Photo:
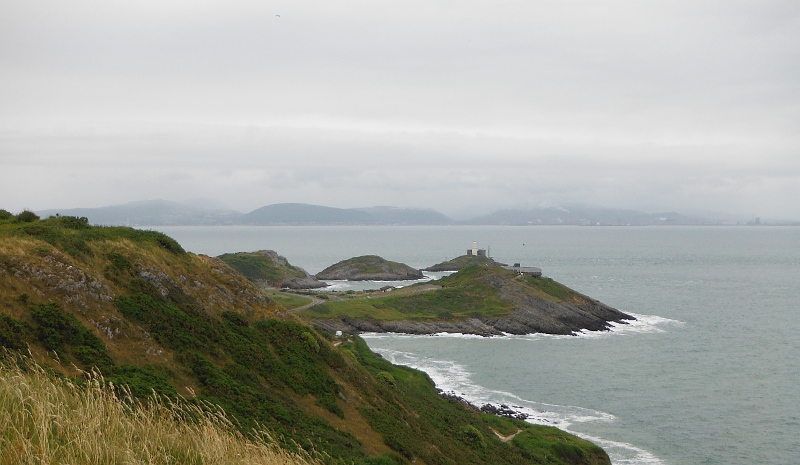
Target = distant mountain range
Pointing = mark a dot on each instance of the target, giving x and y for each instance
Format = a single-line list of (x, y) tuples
[(165, 213), (305, 214), (150, 213)]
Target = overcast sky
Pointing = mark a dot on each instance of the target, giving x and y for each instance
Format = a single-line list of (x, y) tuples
[(454, 105)]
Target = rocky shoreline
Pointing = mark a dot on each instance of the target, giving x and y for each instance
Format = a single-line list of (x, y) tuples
[(501, 410), (532, 315)]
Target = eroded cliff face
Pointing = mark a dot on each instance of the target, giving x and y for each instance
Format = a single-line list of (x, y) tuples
[(88, 285)]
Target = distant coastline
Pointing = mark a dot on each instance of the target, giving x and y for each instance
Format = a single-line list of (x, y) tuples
[(166, 213)]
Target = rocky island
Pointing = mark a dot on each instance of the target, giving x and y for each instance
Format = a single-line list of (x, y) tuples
[(487, 300), (369, 268)]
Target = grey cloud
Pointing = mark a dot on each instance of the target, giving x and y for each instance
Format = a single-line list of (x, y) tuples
[(411, 104)]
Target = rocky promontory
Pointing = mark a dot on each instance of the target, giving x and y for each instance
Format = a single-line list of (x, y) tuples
[(481, 300), (267, 268), (369, 268)]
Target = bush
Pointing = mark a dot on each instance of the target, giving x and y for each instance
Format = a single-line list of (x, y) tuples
[(60, 331), (470, 435), (170, 244), (386, 377), (310, 341), (73, 222), (27, 216), (5, 214), (119, 265), (143, 381), (12, 332)]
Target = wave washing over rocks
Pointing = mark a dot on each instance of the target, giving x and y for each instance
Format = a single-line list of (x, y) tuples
[(454, 381)]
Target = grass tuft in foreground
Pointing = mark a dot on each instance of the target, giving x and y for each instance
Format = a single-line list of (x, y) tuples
[(44, 419)]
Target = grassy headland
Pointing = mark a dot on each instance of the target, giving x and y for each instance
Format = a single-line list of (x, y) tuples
[(479, 299), (167, 324)]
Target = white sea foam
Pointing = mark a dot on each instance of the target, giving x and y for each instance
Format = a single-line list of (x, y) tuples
[(344, 285), (419, 336), (454, 378), (642, 324)]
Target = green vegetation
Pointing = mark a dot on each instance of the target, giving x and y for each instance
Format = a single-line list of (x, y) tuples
[(546, 444), (73, 343), (409, 409), (463, 261), (476, 291), (62, 333), (13, 333), (289, 301), (73, 235), (260, 267), (369, 267), (51, 420), (554, 290), (443, 304), (155, 321), (463, 295), (27, 217)]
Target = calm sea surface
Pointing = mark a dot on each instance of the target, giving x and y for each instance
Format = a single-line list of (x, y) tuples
[(710, 374)]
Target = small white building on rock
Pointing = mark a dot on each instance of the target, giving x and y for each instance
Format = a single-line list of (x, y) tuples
[(475, 251)]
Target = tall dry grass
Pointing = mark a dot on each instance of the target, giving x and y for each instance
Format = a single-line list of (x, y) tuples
[(45, 420)]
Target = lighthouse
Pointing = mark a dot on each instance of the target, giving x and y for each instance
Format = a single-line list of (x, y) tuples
[(475, 251)]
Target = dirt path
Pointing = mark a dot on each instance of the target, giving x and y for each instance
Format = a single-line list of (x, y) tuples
[(314, 301), (505, 438)]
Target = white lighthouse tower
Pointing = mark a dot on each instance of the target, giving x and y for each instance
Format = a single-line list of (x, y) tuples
[(475, 251)]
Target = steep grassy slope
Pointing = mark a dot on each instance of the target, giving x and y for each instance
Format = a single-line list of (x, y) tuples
[(148, 315)]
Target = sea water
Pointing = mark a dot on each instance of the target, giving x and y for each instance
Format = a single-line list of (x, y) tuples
[(708, 374)]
